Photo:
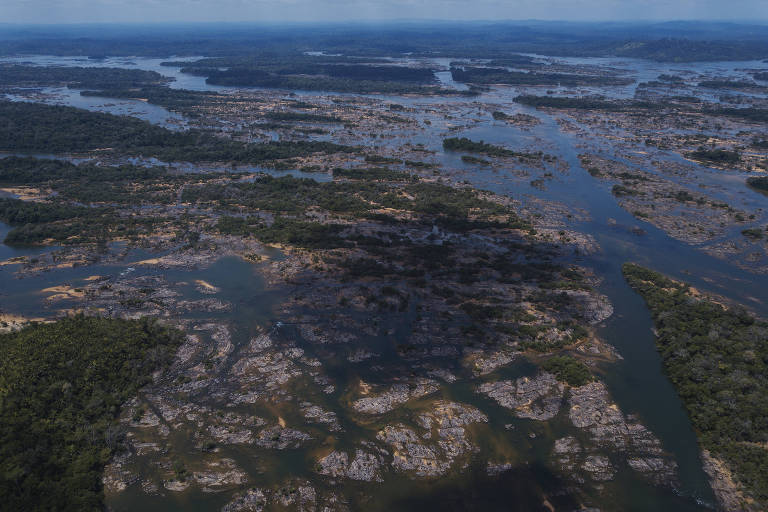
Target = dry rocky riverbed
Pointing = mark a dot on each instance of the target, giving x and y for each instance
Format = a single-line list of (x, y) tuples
[(413, 358), (240, 395), (685, 211), (275, 393)]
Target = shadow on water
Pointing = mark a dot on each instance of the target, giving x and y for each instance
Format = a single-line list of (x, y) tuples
[(518, 489)]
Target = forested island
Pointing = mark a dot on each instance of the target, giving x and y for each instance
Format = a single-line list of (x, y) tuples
[(30, 127), (716, 357)]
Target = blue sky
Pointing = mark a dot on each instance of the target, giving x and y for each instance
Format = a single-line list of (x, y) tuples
[(68, 11)]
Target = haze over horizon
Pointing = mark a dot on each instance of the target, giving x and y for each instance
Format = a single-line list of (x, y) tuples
[(132, 11)]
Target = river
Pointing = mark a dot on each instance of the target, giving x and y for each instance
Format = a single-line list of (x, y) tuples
[(637, 382)]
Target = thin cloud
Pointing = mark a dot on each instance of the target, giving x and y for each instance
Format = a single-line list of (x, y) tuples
[(53, 11)]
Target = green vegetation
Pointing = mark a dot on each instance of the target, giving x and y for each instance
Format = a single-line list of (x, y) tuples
[(568, 369), (38, 223), (716, 156), (502, 76), (471, 146), (61, 388), (319, 83), (754, 115), (758, 183), (31, 127), (301, 116), (175, 99), (622, 191), (561, 102), (377, 173), (77, 78), (469, 159), (63, 217), (677, 49), (309, 235), (673, 79), (717, 357), (315, 73), (753, 233), (500, 41), (291, 199), (728, 84), (247, 70), (85, 183), (359, 198)]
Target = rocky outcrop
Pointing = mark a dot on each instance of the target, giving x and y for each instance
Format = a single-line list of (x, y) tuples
[(364, 467), (219, 476), (316, 414), (298, 495), (592, 409), (397, 395), (442, 440), (599, 467), (567, 452), (538, 398), (279, 438)]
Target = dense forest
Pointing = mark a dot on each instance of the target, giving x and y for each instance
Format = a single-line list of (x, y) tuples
[(77, 77), (717, 358), (91, 184), (61, 388), (471, 146), (361, 192), (759, 183), (294, 70), (716, 156), (502, 76), (39, 223), (175, 99), (669, 42), (31, 127), (256, 78)]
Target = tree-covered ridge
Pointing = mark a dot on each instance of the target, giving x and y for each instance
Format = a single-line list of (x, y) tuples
[(491, 75), (288, 69), (355, 194), (667, 42), (61, 388), (77, 77), (758, 182), (31, 127), (471, 146), (717, 358), (174, 99)]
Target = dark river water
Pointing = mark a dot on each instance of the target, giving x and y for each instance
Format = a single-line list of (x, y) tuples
[(637, 382)]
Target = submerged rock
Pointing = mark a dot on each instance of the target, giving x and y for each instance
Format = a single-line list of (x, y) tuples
[(592, 409), (219, 476), (316, 414), (599, 467), (567, 450)]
